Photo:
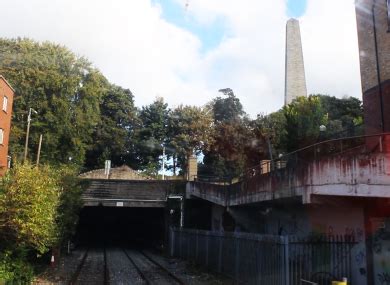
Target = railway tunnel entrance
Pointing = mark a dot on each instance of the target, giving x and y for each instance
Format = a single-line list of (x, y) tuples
[(121, 226), (129, 211)]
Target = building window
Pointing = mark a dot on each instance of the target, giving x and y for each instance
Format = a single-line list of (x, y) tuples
[(5, 103), (1, 136)]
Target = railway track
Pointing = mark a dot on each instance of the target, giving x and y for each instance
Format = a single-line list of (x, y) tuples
[(125, 265), (92, 268), (150, 271)]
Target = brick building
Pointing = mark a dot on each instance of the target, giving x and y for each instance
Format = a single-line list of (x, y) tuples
[(6, 99), (373, 25)]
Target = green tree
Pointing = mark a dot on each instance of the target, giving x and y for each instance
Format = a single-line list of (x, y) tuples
[(70, 202), (192, 132), (304, 116), (65, 90), (113, 135), (343, 115), (236, 142), (227, 109), (271, 129), (152, 134), (235, 147), (297, 124)]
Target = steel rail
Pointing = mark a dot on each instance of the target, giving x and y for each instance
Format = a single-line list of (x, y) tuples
[(106, 273), (140, 272), (143, 276), (78, 269), (173, 276)]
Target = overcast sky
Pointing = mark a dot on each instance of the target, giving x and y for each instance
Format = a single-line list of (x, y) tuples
[(185, 50)]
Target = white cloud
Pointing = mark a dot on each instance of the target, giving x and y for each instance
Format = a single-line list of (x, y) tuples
[(331, 48), (131, 43)]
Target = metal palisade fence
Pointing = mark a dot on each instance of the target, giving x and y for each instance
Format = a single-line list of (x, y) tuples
[(265, 259)]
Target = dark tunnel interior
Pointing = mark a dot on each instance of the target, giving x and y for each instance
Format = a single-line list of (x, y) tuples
[(121, 225)]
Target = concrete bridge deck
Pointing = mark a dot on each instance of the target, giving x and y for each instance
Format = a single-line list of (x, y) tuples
[(357, 171), (328, 168)]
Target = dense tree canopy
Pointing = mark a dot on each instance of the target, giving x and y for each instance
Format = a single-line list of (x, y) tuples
[(192, 132), (236, 143), (343, 115), (113, 133), (227, 109), (303, 116), (152, 134), (64, 89), (298, 124)]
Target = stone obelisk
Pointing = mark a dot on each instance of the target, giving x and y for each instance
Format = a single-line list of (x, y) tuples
[(295, 82)]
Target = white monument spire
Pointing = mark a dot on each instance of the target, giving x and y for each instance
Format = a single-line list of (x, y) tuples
[(295, 82)]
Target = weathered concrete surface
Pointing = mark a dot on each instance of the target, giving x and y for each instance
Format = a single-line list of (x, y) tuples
[(353, 175), (128, 193)]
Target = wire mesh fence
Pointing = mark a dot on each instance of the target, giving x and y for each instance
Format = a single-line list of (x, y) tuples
[(265, 259)]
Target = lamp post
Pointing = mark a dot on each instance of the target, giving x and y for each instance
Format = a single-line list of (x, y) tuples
[(322, 133), (28, 132)]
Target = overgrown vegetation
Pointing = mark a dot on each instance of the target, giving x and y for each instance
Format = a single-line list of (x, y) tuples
[(38, 211), (298, 124)]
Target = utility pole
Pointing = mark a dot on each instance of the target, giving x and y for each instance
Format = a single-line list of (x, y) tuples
[(39, 149), (27, 133)]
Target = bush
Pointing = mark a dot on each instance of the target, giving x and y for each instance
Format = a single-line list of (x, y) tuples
[(38, 211), (28, 207), (15, 268)]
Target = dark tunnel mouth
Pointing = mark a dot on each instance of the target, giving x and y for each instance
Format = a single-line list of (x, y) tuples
[(122, 226)]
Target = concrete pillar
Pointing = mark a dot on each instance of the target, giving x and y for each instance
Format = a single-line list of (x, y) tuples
[(295, 81), (192, 168)]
